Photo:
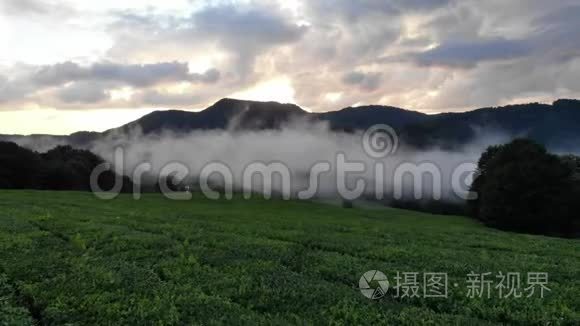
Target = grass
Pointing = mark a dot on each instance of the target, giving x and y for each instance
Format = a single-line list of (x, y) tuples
[(68, 258)]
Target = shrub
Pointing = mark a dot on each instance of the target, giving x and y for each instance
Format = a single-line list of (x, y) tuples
[(522, 187)]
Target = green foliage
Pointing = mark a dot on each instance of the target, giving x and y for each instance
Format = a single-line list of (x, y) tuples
[(78, 242), (69, 258), (524, 188), (10, 312)]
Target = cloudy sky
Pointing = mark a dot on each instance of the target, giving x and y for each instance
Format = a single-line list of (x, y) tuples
[(92, 65)]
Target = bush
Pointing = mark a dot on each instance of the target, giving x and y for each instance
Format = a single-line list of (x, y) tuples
[(521, 187)]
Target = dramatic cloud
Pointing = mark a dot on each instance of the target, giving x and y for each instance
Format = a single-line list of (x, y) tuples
[(367, 81), (29, 7), (239, 32), (83, 92), (354, 10), (156, 98), (246, 32), (11, 90), (133, 75), (468, 54), (431, 55), (71, 83)]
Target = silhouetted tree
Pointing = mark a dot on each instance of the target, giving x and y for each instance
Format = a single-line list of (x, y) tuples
[(19, 167), (61, 168), (522, 187)]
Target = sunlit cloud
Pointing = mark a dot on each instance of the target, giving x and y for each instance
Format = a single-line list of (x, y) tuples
[(433, 56), (279, 90)]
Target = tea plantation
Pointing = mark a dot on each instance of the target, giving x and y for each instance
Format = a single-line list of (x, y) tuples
[(68, 258)]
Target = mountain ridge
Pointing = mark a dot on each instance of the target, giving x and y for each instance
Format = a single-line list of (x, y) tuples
[(555, 125)]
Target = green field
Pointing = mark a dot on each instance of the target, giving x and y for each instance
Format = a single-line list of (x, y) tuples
[(68, 258)]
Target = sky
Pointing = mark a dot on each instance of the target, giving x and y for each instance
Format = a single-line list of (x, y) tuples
[(67, 65)]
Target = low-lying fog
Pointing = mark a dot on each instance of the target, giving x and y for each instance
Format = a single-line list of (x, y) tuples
[(299, 146)]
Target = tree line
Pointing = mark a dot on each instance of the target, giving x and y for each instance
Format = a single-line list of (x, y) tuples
[(61, 168)]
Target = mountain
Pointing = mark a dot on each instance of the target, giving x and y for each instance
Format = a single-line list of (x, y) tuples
[(363, 117), (556, 125), (253, 115), (224, 114)]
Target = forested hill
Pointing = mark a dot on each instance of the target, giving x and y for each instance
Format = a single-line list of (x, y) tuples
[(557, 125)]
